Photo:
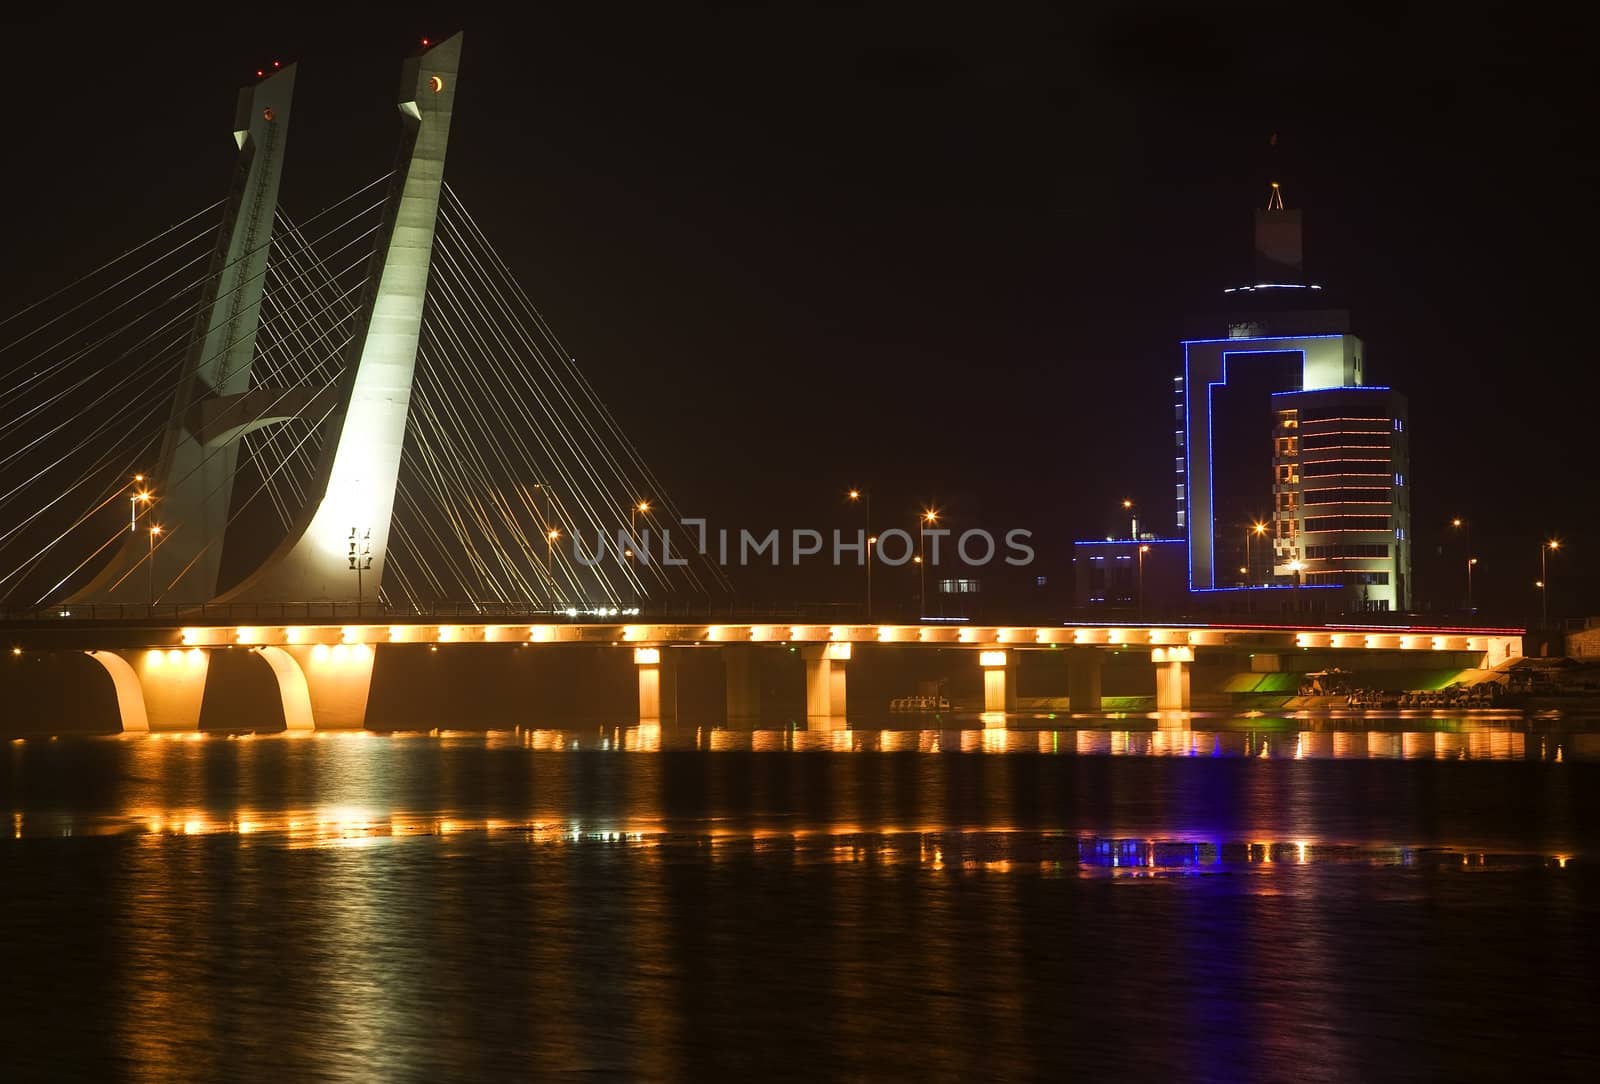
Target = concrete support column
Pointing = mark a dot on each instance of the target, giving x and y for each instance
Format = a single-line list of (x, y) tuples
[(322, 686), (999, 681), (1172, 677), (658, 684), (825, 684), (157, 689), (1084, 666), (743, 670)]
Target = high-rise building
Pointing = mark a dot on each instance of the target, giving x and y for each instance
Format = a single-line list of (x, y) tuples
[(1341, 507), (1290, 471), (1278, 427)]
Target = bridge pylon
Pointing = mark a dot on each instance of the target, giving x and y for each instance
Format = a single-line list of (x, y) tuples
[(193, 481), (345, 522)]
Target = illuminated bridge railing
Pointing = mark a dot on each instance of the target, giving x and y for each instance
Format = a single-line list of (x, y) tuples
[(324, 612)]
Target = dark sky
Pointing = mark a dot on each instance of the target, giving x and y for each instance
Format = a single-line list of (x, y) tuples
[(942, 252)]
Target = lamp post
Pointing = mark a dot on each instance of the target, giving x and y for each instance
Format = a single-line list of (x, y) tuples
[(360, 558), (1464, 529), (928, 516), (1133, 518), (1544, 581), (155, 529), (550, 537), (1294, 566), (1142, 551), (865, 500), (1470, 562), (139, 496)]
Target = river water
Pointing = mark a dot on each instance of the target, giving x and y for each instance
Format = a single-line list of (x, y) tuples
[(1235, 898)]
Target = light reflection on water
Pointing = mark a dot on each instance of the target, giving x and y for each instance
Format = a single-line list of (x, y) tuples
[(1412, 895)]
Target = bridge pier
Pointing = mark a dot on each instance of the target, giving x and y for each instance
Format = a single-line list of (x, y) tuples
[(999, 681), (1172, 677), (157, 689), (322, 686), (825, 685), (658, 684), (1084, 667), (742, 669)]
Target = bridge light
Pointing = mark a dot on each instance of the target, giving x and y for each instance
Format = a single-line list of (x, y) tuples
[(319, 653), (195, 656), (341, 652), (174, 656), (436, 83), (154, 659), (991, 659), (646, 656)]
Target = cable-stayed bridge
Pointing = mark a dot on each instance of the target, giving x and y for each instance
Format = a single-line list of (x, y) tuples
[(298, 441), (359, 407)]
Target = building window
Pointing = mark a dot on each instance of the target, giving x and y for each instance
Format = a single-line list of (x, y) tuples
[(1399, 479), (1361, 550), (1400, 534), (1348, 523), (958, 587), (1399, 426), (1041, 581), (1347, 496)]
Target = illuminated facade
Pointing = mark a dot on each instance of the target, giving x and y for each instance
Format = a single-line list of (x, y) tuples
[(1341, 505), (1328, 477), (1290, 471)]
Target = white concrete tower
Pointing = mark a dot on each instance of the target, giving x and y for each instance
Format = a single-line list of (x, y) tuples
[(192, 485), (355, 487)]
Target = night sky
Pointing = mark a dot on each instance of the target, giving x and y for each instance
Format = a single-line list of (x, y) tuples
[(944, 253)]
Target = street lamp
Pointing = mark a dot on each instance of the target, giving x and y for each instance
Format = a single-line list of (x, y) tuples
[(1257, 529), (139, 496), (360, 554), (1133, 519), (929, 515), (866, 507), (550, 537), (1544, 581), (1142, 551), (1294, 566), (1463, 528), (1470, 562), (155, 529)]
